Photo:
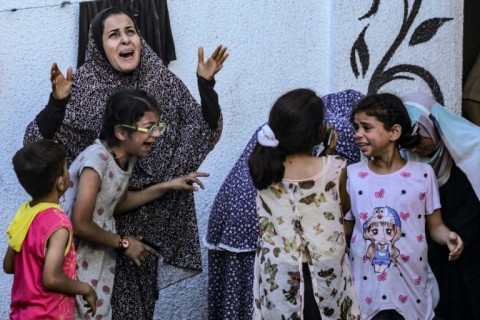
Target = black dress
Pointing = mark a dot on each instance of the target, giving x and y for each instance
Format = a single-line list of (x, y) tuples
[(459, 281)]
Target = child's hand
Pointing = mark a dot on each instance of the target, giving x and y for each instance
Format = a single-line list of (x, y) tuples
[(455, 245), (186, 182), (138, 251), (91, 299)]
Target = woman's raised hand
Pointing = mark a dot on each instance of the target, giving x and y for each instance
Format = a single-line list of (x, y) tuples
[(208, 69), (61, 86)]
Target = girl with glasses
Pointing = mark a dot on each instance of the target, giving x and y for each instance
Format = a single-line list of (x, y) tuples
[(98, 191)]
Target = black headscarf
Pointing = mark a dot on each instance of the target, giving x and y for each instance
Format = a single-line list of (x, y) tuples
[(150, 17)]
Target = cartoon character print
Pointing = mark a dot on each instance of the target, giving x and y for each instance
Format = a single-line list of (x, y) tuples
[(383, 229)]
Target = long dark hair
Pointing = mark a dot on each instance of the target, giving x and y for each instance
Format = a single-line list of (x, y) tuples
[(297, 120), (390, 110)]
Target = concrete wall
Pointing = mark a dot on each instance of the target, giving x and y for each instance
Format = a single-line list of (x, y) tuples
[(275, 46)]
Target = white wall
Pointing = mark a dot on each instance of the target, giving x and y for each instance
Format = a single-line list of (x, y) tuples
[(275, 46)]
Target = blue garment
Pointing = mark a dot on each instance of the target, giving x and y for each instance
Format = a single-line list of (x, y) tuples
[(460, 136), (338, 107), (233, 225), (382, 256)]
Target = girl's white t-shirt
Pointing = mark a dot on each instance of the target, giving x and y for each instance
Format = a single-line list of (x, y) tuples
[(388, 249)]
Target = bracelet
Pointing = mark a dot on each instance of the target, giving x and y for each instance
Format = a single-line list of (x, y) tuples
[(123, 243)]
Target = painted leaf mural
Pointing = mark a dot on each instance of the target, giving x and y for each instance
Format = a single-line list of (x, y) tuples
[(427, 30), (372, 11), (383, 73), (360, 50)]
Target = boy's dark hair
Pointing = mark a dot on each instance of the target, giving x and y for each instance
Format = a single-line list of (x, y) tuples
[(37, 166), (297, 120), (125, 106), (390, 110)]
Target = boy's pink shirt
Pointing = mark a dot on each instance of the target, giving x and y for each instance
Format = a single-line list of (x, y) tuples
[(30, 298)]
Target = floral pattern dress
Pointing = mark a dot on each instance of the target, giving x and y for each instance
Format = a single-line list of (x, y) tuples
[(301, 222)]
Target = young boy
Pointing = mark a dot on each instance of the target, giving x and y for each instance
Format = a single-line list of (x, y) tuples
[(41, 254)]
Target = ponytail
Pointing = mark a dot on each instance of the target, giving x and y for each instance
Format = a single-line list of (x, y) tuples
[(295, 125), (266, 166)]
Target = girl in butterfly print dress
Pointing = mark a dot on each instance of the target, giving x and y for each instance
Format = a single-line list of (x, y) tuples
[(301, 267), (99, 180), (387, 193)]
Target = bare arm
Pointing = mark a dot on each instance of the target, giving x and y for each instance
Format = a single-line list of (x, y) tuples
[(135, 199), (8, 261), (53, 277), (86, 229), (82, 217), (345, 199), (442, 235)]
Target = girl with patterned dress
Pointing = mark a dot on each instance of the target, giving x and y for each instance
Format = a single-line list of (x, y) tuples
[(392, 201), (301, 267), (100, 176)]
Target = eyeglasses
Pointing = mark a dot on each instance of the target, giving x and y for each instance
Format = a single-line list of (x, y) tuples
[(160, 127)]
